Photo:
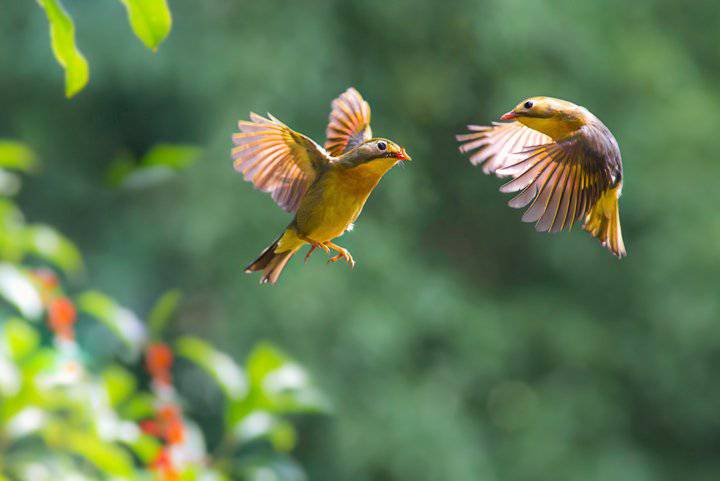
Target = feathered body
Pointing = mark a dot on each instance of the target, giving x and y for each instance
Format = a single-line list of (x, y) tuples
[(326, 189), (564, 162)]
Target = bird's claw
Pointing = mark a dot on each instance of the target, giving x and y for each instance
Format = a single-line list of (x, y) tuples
[(315, 245), (343, 254)]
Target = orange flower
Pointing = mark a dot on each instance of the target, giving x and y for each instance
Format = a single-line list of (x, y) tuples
[(159, 359), (167, 425), (61, 317), (164, 467)]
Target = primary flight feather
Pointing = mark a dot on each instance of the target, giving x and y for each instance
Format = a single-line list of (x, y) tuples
[(326, 187), (564, 164)]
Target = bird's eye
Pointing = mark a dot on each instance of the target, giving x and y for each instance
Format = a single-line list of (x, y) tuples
[(381, 145), (528, 105)]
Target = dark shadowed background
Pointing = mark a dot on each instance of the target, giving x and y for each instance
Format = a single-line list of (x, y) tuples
[(463, 346)]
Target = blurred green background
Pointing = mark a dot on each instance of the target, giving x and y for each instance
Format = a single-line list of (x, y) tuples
[(463, 346)]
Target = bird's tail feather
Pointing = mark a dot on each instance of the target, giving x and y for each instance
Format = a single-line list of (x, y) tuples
[(603, 222), (271, 263)]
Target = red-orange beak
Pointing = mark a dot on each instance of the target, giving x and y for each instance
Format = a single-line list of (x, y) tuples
[(508, 116), (403, 155)]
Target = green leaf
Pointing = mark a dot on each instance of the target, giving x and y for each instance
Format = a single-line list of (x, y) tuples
[(150, 20), (62, 39), (19, 338), (141, 405), (218, 365), (161, 312), (17, 156), (121, 321), (145, 447), (263, 425), (119, 384), (175, 156), (48, 244)]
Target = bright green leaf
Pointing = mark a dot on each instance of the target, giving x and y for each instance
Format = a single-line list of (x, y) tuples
[(19, 338), (121, 321), (161, 312), (62, 39), (48, 244), (17, 289), (17, 156), (141, 405), (119, 384), (175, 156), (219, 365), (263, 425), (150, 20)]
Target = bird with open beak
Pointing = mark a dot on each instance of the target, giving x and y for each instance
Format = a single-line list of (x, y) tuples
[(326, 187), (564, 162)]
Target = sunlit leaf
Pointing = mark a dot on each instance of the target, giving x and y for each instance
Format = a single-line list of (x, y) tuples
[(145, 447), (9, 183), (29, 420), (175, 156), (18, 338), (62, 39), (160, 164), (119, 384), (273, 467), (150, 20), (219, 365), (9, 377), (12, 245), (48, 244), (139, 406), (17, 289), (16, 156), (109, 458), (121, 321), (263, 425), (282, 384), (162, 311)]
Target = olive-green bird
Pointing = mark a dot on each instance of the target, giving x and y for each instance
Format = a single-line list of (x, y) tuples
[(326, 189), (564, 162)]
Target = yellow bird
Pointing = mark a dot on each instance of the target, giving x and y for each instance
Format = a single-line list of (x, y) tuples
[(564, 162), (326, 189)]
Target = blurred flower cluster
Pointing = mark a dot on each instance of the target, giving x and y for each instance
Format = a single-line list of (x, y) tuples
[(73, 409)]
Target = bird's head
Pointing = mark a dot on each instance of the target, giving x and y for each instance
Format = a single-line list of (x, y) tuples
[(553, 117), (378, 149)]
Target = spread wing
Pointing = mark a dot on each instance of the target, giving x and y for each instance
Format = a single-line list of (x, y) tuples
[(276, 159), (499, 145), (560, 182), (349, 124)]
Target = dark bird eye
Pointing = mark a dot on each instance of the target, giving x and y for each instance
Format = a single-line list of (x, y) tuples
[(528, 105), (382, 145)]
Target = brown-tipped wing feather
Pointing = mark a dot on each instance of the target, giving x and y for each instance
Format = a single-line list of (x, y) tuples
[(499, 145), (349, 124), (276, 159), (562, 182)]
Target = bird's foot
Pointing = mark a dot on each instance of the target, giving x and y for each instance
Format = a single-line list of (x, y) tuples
[(314, 245), (343, 254)]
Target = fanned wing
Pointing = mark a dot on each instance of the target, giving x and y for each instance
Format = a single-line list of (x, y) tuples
[(499, 145), (276, 159), (349, 124), (559, 183)]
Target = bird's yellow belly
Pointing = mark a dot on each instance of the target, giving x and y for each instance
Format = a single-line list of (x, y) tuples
[(331, 205)]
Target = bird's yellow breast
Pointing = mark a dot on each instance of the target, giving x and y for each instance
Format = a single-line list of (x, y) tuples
[(336, 199)]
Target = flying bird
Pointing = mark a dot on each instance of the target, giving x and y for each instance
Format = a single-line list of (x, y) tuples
[(325, 187), (564, 162)]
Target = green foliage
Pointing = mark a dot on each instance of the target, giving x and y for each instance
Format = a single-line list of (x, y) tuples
[(64, 415), (161, 163), (62, 40), (150, 20)]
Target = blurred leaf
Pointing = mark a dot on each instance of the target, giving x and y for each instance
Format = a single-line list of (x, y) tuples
[(274, 467), (122, 322), (281, 384), (139, 406), (107, 457), (263, 425), (9, 377), (119, 384), (19, 338), (160, 164), (48, 244), (161, 312), (10, 183), (219, 365), (18, 290), (150, 20), (12, 246), (175, 156), (17, 156), (62, 39), (145, 447)]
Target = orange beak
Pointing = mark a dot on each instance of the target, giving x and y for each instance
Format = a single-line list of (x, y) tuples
[(508, 116), (403, 155)]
